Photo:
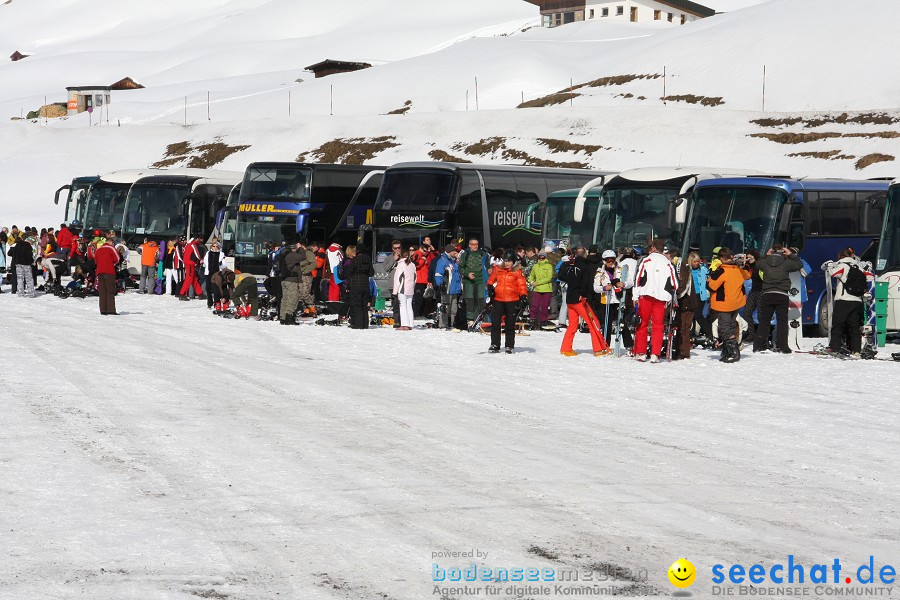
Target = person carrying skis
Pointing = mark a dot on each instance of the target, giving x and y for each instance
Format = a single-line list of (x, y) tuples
[(727, 298), (775, 271), (447, 281), (847, 311), (654, 289), (577, 274), (510, 295)]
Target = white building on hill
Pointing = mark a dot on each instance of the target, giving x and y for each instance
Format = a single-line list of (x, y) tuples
[(560, 12)]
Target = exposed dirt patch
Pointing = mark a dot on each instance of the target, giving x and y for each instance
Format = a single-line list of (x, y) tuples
[(871, 159), (692, 99), (616, 80), (210, 593), (443, 156), (628, 95), (550, 100), (796, 138), (350, 151), (53, 111), (543, 553), (557, 146), (203, 156), (526, 159), (826, 155), (871, 118), (402, 110), (485, 146), (814, 136)]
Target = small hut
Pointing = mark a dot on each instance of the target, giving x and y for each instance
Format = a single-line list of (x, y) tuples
[(331, 67)]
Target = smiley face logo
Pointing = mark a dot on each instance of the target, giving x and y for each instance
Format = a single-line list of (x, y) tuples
[(682, 573)]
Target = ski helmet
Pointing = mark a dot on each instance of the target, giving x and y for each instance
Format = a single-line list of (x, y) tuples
[(510, 255), (608, 254)]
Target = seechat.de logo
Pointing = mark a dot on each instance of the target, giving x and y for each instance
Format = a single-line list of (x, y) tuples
[(682, 573)]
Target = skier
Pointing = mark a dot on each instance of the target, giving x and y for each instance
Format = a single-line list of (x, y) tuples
[(775, 271), (246, 291), (472, 267), (149, 249), (509, 291), (654, 287), (541, 281), (192, 259), (688, 304), (727, 298), (107, 257), (847, 312), (404, 286), (447, 280), (358, 271), (577, 274)]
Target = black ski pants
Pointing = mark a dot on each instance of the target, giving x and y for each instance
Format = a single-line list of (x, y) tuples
[(769, 304), (846, 320), (510, 311), (359, 308)]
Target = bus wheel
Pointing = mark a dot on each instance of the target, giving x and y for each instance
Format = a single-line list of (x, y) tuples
[(823, 329)]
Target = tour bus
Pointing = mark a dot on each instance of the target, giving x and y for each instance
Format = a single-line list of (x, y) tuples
[(887, 266), (818, 216), (105, 204), (449, 202), (626, 209), (76, 198), (175, 203), (226, 222), (281, 201)]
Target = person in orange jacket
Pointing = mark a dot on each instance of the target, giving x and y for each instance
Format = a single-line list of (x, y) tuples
[(509, 292), (727, 297), (149, 250)]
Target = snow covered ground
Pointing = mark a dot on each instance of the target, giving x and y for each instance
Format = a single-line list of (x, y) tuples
[(167, 453)]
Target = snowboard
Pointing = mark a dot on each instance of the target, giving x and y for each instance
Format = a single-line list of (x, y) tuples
[(795, 312)]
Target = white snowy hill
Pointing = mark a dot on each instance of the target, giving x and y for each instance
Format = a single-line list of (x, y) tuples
[(233, 73)]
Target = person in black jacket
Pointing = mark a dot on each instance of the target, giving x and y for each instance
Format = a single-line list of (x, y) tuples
[(22, 255), (357, 274), (775, 270)]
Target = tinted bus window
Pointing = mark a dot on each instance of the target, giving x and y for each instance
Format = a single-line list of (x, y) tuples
[(426, 190), (837, 213)]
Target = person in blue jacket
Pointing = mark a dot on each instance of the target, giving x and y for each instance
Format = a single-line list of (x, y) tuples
[(448, 281)]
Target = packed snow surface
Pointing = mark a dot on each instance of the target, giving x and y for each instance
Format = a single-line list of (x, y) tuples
[(168, 453)]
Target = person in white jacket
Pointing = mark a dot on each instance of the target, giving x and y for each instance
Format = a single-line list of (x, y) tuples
[(405, 288), (654, 286), (612, 281), (847, 313)]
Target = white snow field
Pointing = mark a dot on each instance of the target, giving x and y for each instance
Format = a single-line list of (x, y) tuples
[(168, 453)]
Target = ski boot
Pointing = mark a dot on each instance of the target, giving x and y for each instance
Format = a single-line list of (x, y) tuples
[(731, 351), (509, 350), (494, 349)]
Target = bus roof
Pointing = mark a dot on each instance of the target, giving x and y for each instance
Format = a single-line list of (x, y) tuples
[(450, 166), (314, 166), (229, 178), (674, 177), (129, 176), (800, 185)]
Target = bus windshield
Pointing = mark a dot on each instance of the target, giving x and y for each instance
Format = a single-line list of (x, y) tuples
[(253, 231), (105, 205), (416, 189), (560, 225), (889, 249), (635, 215), (282, 182), (741, 218), (75, 208), (157, 209)]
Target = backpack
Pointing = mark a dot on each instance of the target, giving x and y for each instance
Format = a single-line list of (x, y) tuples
[(856, 284)]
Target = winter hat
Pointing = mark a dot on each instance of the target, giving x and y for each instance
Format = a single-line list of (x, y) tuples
[(449, 248)]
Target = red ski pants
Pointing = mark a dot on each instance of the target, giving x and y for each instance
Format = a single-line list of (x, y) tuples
[(576, 312), (650, 309)]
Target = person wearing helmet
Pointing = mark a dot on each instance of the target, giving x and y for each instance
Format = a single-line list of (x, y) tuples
[(509, 290), (610, 283)]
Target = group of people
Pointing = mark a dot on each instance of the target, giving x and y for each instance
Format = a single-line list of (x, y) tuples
[(642, 297)]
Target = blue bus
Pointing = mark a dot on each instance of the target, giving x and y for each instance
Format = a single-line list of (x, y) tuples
[(887, 266), (818, 216), (279, 201)]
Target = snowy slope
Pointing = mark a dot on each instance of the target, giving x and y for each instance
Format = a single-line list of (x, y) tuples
[(326, 463), (245, 57)]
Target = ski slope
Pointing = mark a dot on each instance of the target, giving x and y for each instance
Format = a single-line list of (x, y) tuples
[(180, 455), (233, 72)]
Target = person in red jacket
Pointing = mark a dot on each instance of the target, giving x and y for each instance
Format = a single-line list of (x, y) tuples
[(192, 259), (509, 291), (107, 258), (64, 240)]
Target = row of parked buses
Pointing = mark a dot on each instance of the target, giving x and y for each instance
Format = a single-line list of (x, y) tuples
[(502, 206)]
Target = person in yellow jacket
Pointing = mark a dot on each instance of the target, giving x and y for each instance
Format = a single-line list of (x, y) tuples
[(727, 297)]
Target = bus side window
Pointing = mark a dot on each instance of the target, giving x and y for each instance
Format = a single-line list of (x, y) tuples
[(837, 210), (811, 210), (795, 230)]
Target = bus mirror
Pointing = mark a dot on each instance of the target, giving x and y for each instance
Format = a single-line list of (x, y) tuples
[(59, 191), (529, 212), (580, 199), (672, 210)]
